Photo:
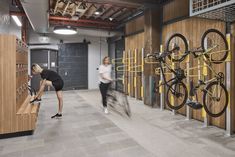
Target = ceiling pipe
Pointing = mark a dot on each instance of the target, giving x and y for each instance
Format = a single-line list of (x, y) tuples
[(83, 25), (56, 18)]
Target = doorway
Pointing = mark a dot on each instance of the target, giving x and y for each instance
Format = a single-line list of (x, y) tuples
[(47, 59)]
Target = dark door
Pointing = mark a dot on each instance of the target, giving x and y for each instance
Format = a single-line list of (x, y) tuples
[(73, 65), (45, 58)]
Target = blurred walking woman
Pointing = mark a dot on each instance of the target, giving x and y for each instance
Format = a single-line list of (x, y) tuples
[(105, 80), (49, 78)]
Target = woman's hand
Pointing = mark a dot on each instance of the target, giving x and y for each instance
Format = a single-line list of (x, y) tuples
[(29, 77)]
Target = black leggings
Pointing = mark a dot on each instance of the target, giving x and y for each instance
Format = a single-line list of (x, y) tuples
[(103, 90)]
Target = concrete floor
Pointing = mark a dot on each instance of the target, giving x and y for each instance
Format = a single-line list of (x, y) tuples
[(84, 131)]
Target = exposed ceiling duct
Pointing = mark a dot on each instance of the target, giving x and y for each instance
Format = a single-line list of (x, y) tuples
[(37, 13)]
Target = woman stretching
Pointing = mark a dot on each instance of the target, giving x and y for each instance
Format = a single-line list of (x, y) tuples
[(49, 78), (105, 80)]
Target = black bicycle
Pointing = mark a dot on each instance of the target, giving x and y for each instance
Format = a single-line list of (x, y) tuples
[(176, 94), (117, 101)]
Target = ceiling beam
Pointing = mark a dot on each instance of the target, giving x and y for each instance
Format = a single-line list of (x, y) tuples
[(112, 3), (88, 7), (56, 5), (116, 12), (124, 11), (105, 23), (124, 16), (92, 11), (107, 9), (78, 4), (110, 12), (66, 7)]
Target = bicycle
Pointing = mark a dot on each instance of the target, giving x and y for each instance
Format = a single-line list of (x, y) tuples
[(214, 90), (212, 40), (175, 87), (117, 100)]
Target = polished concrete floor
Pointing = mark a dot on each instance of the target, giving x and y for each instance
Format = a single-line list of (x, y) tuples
[(85, 131)]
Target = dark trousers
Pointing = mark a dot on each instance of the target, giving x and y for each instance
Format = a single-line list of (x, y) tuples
[(103, 90)]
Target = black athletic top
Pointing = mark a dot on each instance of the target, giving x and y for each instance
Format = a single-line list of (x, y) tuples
[(50, 75)]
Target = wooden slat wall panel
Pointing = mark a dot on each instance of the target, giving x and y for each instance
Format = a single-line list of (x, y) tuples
[(135, 25), (193, 29), (7, 83), (175, 9), (132, 43)]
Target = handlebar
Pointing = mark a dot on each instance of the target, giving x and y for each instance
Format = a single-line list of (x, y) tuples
[(162, 55)]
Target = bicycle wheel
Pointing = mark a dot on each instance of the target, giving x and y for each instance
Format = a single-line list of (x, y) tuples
[(215, 40), (180, 41), (215, 99), (126, 105), (177, 95)]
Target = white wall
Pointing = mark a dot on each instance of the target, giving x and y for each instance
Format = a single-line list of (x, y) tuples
[(96, 53), (94, 50)]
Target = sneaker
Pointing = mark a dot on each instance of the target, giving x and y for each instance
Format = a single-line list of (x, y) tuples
[(106, 110), (36, 100), (57, 116)]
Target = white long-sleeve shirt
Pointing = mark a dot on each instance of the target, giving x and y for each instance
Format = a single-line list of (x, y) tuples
[(105, 71)]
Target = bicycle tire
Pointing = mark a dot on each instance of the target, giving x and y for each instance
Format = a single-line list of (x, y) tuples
[(205, 98), (219, 61), (168, 98), (126, 106), (168, 46)]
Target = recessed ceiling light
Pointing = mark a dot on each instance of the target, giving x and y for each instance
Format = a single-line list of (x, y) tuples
[(17, 21), (65, 30), (110, 19), (99, 11)]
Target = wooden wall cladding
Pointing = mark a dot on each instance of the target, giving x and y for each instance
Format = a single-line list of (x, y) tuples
[(135, 25), (16, 113), (232, 100), (175, 9), (192, 29), (132, 44)]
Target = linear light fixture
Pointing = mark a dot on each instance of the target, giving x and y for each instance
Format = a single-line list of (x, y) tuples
[(17, 21), (65, 30)]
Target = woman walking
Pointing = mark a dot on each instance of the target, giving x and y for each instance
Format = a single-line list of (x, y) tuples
[(105, 80)]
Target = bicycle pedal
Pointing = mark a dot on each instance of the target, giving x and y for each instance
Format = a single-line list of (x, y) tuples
[(194, 105)]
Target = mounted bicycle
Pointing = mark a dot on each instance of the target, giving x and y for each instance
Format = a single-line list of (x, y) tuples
[(215, 94), (175, 87)]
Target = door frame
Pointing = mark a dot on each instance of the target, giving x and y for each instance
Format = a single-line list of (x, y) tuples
[(48, 59)]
